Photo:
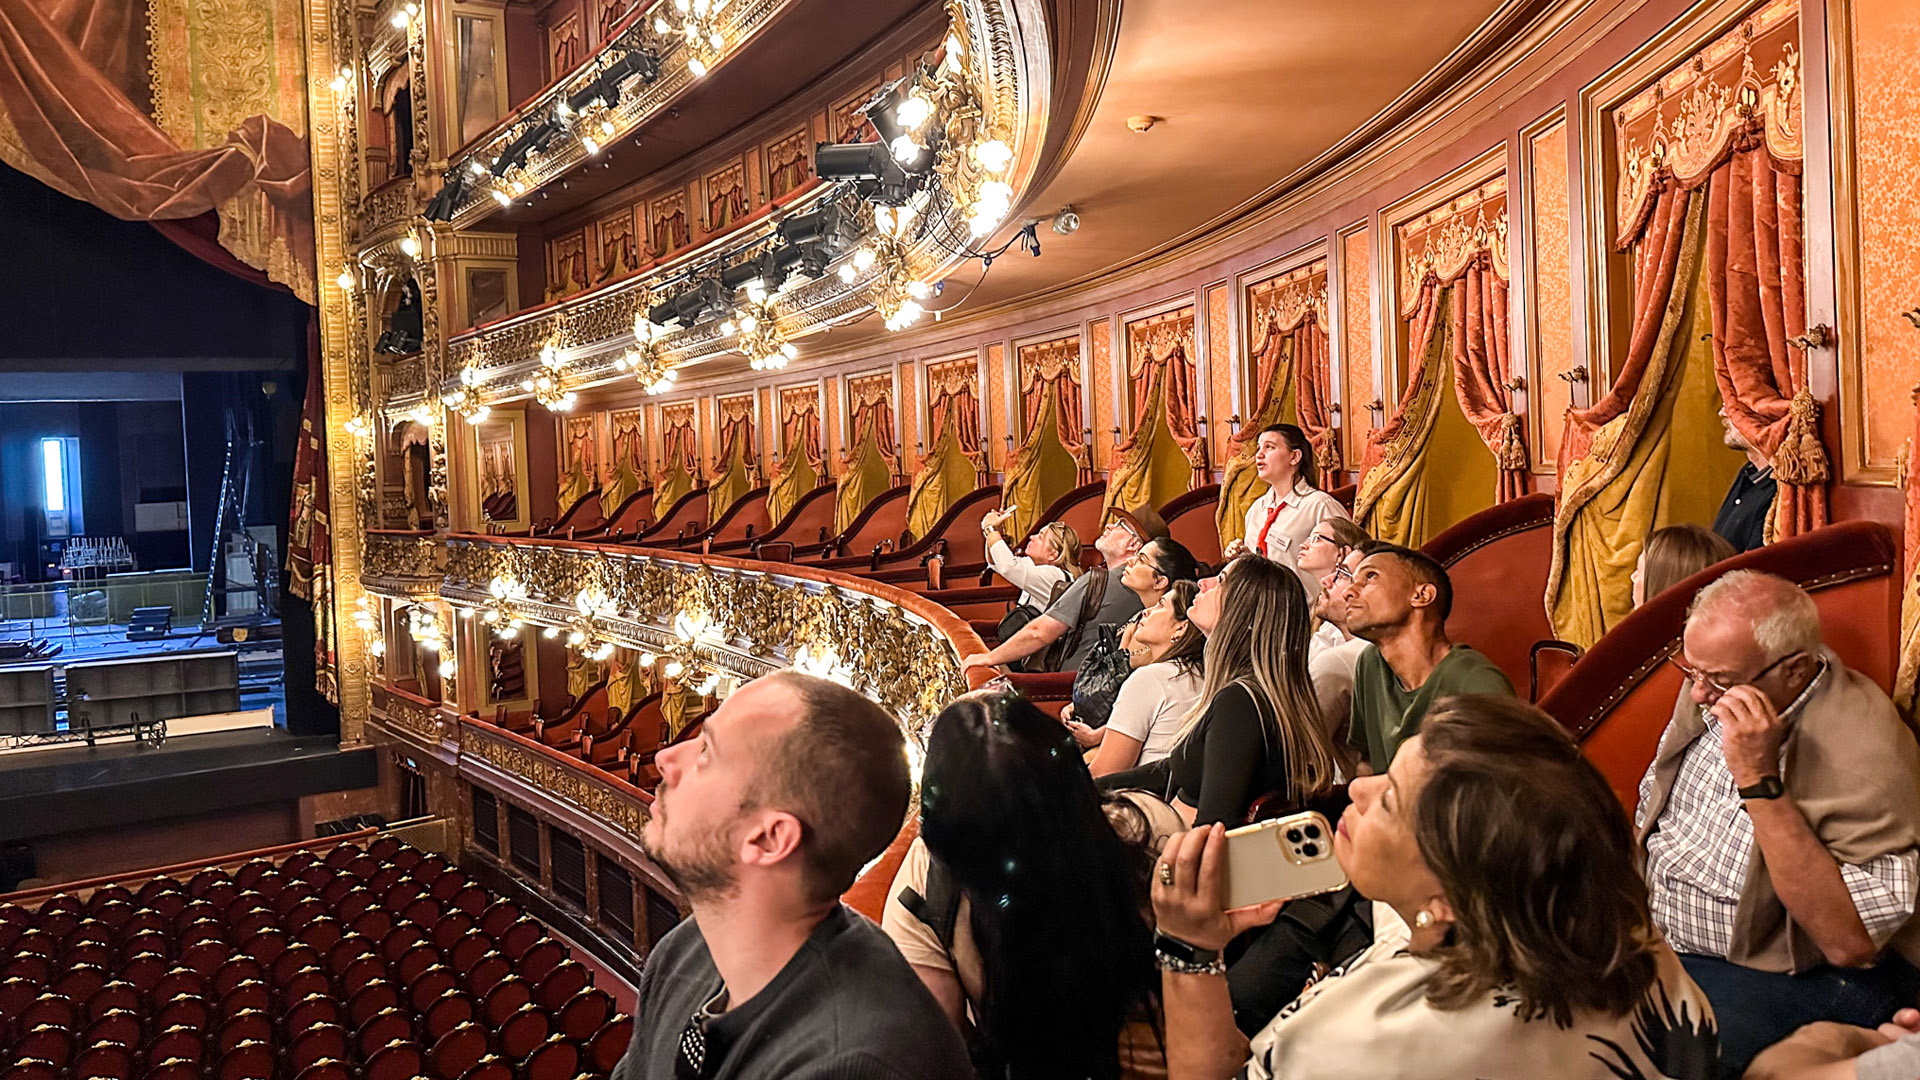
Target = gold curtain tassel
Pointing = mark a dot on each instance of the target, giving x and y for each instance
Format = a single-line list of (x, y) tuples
[(1801, 460)]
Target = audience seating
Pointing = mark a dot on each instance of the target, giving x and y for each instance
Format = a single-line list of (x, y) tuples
[(1190, 520), (956, 537), (346, 962), (808, 522), (685, 516), (585, 515), (632, 517), (1498, 561), (880, 523), (1618, 697), (745, 519)]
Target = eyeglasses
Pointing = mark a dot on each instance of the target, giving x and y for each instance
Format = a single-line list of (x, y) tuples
[(1719, 688), (1341, 573), (1121, 523)]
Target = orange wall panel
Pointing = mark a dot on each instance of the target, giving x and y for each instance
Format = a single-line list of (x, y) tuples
[(1356, 358), (1552, 304), (1103, 414), (1219, 372), (999, 424), (910, 432)]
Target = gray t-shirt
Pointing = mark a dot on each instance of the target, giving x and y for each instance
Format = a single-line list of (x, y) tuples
[(1116, 607), (846, 1007), (1898, 1060)]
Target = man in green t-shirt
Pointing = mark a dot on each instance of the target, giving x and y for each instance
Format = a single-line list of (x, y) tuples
[(1399, 601)]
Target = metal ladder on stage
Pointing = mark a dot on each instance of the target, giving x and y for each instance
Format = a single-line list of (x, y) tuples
[(234, 495)]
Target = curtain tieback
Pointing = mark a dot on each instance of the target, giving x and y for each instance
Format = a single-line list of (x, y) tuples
[(1801, 460), (1512, 451)]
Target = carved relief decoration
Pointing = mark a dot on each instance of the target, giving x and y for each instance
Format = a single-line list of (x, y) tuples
[(1281, 303), (668, 227), (618, 249), (1442, 241), (1746, 84), (581, 787), (566, 265)]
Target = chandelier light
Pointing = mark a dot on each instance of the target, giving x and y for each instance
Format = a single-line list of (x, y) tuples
[(699, 27), (547, 386), (761, 341), (647, 361), (500, 612), (466, 400)]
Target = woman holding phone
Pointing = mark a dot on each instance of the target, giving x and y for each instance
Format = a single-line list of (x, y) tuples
[(1511, 930), (1050, 562)]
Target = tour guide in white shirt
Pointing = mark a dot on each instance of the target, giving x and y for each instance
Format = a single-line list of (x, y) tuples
[(1780, 823), (1279, 521)]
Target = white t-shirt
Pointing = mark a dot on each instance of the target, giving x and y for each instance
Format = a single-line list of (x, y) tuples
[(1331, 669), (1302, 509), (1152, 705), (1036, 581)]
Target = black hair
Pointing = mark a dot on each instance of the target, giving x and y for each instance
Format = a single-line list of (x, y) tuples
[(1424, 568), (1059, 895), (1174, 562), (1296, 439)]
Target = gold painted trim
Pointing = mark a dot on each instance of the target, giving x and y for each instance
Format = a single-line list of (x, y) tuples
[(1487, 167)]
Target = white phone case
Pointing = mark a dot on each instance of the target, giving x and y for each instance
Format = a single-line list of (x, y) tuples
[(1283, 859)]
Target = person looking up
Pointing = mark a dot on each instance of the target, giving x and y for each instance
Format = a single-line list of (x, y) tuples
[(1674, 554), (1331, 666), (792, 786), (1050, 559), (1323, 551), (1511, 934), (1155, 699), (1023, 903), (1399, 601), (1096, 598), (1278, 522), (1780, 822), (1256, 727)]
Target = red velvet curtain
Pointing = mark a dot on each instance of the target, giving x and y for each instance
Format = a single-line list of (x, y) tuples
[(964, 407), (1167, 364), (802, 429), (737, 431), (1756, 276), (876, 414), (1481, 367), (69, 90), (1067, 416), (1313, 390), (1656, 260), (679, 450)]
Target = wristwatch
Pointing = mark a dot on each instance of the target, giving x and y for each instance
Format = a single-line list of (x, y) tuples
[(1768, 787), (1184, 957)]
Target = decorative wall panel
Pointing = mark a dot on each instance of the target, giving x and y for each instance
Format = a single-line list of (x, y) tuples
[(1551, 283), (1356, 354), (1105, 418), (1219, 369), (999, 424)]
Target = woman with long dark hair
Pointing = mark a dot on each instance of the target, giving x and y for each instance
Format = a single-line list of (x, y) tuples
[(1023, 904), (1257, 727), (1153, 703)]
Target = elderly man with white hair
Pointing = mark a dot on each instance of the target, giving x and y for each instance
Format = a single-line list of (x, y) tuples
[(1780, 823)]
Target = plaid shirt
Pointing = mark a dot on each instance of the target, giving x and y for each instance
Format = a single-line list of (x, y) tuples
[(1699, 852)]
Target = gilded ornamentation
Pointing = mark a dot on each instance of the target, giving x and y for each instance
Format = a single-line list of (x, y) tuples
[(1441, 242), (421, 720), (1747, 83), (400, 566), (1283, 302), (1047, 361), (580, 786)]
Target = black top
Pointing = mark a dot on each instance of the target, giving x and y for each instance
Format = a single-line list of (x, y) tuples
[(1743, 514), (1228, 760), (846, 1007)]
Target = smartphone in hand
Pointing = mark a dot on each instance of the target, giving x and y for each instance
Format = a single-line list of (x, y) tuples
[(1283, 859)]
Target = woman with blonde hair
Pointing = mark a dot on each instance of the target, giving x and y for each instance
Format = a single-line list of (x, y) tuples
[(1673, 554), (1256, 728), (1050, 563)]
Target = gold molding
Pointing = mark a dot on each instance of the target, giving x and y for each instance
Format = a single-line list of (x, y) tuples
[(1387, 273)]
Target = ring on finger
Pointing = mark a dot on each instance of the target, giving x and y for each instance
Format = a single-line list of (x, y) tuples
[(1166, 874)]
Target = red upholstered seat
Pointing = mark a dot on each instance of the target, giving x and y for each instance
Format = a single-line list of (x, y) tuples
[(561, 984), (396, 1061), (116, 1028), (46, 1043), (248, 1061), (523, 1032), (390, 1025), (317, 1009), (104, 1063), (491, 1067), (457, 1051), (252, 1025), (326, 1070), (606, 1048), (446, 1014), (586, 1014), (326, 1042), (185, 1011), (1190, 520), (555, 1059), (541, 959), (1618, 697), (1498, 560)]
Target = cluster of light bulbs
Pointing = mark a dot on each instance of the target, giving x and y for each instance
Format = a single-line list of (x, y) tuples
[(645, 361), (466, 400), (369, 625), (700, 27), (761, 341), (592, 603), (428, 632), (405, 15), (500, 612), (546, 386)]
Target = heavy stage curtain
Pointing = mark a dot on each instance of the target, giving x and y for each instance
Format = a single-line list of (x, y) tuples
[(734, 467), (868, 468), (1294, 366), (800, 469), (81, 111), (309, 532), (1047, 465), (1390, 499), (1159, 459), (679, 469), (623, 472), (1482, 364), (954, 463)]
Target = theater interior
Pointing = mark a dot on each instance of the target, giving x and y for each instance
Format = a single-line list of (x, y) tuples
[(583, 360)]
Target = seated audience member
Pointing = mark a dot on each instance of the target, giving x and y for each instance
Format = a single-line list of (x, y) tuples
[(794, 784), (1743, 513), (1156, 697), (1023, 904), (1256, 728), (1511, 934), (1096, 598), (1780, 822), (1674, 554), (1051, 560), (1278, 522), (1830, 1051), (1399, 601), (1324, 550), (1331, 665)]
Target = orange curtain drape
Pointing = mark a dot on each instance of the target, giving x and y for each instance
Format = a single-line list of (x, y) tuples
[(801, 430), (1069, 421), (1313, 390), (735, 433), (68, 80), (1420, 327), (680, 450), (1482, 364), (1656, 249), (1756, 276), (877, 415), (965, 410), (1168, 364)]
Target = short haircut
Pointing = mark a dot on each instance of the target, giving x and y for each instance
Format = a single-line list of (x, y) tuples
[(1173, 561), (1678, 552), (1422, 567), (1784, 619), (842, 770)]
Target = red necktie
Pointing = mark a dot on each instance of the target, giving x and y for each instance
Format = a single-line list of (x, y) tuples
[(1261, 547)]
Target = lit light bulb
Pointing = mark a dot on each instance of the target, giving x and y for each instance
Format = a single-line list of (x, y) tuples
[(476, 168), (863, 259), (479, 415), (377, 647), (590, 144), (847, 272), (914, 111), (339, 83), (660, 25), (446, 669), (410, 246), (607, 129), (789, 351), (502, 197), (648, 659), (674, 669), (748, 324), (399, 20), (714, 39), (696, 66), (550, 633), (905, 149), (919, 290), (993, 155)]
